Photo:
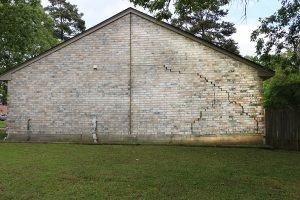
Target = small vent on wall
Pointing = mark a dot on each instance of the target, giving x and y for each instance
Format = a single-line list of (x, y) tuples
[(95, 67)]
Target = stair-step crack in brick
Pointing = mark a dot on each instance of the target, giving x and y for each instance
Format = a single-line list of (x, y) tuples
[(214, 85)]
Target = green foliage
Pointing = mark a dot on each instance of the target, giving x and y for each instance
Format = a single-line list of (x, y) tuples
[(2, 124), (162, 8), (282, 91), (281, 33), (273, 61), (204, 19), (2, 132), (3, 91), (68, 22), (25, 31)]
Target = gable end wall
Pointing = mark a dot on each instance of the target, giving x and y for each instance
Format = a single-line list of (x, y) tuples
[(150, 81)]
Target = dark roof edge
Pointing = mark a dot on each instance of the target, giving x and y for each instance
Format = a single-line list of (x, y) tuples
[(262, 72)]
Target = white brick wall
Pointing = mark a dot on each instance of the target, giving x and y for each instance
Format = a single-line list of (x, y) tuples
[(178, 86), (170, 89), (62, 92)]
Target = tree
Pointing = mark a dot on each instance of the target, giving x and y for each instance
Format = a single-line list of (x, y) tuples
[(25, 31), (271, 61), (204, 20), (162, 8), (281, 33), (282, 90), (3, 92), (68, 22), (201, 18)]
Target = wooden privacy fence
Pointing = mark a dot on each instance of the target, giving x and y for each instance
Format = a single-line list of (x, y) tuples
[(283, 129)]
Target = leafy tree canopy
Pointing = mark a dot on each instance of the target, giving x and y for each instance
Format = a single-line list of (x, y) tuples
[(25, 31), (202, 18), (162, 8), (68, 22), (280, 33), (282, 90), (273, 61)]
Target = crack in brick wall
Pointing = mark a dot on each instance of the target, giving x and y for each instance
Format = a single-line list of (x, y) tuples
[(162, 105), (214, 86)]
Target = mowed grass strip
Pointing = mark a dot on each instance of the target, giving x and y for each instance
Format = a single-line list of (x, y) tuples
[(67, 171)]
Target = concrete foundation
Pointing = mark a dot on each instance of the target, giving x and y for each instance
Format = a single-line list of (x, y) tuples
[(176, 139)]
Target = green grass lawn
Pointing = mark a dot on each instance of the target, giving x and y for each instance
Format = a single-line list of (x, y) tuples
[(2, 124), (62, 171)]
